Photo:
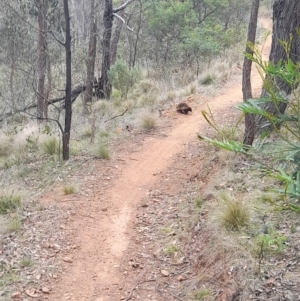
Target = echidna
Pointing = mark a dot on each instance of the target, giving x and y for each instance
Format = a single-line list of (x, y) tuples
[(183, 108)]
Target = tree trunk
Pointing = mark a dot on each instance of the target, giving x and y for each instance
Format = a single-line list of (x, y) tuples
[(286, 20), (42, 103), (68, 102), (105, 87), (90, 62), (12, 73), (116, 37), (49, 79), (137, 37), (247, 89)]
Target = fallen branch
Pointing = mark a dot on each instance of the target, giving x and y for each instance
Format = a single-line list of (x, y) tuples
[(116, 116), (74, 94)]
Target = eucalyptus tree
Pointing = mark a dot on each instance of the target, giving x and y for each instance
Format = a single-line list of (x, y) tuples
[(285, 45), (16, 59), (91, 58), (247, 90), (191, 32), (104, 86), (68, 102)]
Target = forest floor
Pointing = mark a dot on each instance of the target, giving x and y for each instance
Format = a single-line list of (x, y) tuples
[(122, 236)]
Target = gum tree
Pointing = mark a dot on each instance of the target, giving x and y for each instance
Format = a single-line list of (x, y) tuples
[(285, 45), (247, 90)]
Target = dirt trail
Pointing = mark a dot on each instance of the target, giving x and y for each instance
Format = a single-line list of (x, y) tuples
[(101, 216)]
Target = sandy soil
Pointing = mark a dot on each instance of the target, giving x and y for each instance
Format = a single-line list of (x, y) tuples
[(102, 215)]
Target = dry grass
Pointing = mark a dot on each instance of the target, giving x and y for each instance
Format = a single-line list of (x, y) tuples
[(69, 189), (148, 123), (234, 214), (102, 152)]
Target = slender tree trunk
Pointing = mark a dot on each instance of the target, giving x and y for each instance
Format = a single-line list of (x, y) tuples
[(105, 87), (137, 37), (42, 103), (12, 74), (68, 101), (90, 61), (247, 89), (116, 37), (286, 21), (49, 79)]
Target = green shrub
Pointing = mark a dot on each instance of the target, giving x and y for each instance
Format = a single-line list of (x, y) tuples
[(280, 157), (123, 78)]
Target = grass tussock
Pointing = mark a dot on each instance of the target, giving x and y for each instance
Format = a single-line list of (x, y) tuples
[(235, 214), (102, 152), (50, 146), (26, 262), (201, 295), (148, 123), (207, 80), (69, 189), (9, 203), (14, 224)]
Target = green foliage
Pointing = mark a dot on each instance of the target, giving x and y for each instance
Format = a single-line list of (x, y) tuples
[(279, 158), (267, 244), (193, 31), (9, 203), (271, 242), (123, 78)]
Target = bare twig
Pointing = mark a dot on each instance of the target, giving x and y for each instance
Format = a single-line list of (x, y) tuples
[(136, 284), (116, 116), (121, 7), (131, 29)]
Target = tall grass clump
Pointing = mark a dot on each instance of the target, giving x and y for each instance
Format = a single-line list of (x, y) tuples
[(102, 152), (207, 80), (69, 189), (50, 146), (9, 203), (235, 214), (148, 123)]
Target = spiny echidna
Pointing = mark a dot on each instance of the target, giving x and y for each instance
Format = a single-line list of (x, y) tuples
[(183, 108)]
